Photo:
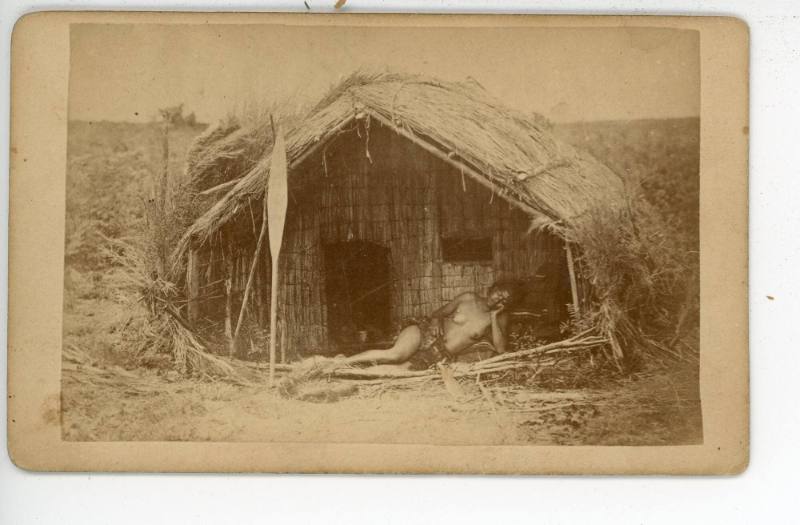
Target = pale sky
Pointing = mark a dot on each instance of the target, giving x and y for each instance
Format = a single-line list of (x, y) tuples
[(126, 72)]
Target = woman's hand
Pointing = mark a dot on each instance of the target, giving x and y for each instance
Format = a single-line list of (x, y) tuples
[(499, 325), (497, 311)]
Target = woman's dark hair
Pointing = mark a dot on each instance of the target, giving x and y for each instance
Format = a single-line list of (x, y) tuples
[(511, 286)]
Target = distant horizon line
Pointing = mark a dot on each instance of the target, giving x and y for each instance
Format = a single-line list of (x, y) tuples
[(554, 122)]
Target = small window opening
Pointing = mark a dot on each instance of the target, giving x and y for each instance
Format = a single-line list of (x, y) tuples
[(459, 249)]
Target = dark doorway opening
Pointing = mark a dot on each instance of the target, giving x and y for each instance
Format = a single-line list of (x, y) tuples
[(542, 308), (358, 289)]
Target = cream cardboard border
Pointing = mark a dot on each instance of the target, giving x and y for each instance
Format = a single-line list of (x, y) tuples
[(40, 66)]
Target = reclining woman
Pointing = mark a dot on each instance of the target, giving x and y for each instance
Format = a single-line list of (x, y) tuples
[(449, 331)]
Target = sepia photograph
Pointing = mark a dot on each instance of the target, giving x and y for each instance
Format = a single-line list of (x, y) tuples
[(382, 235), (244, 242)]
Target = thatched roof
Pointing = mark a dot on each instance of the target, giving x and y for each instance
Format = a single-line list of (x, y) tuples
[(512, 154), (225, 152)]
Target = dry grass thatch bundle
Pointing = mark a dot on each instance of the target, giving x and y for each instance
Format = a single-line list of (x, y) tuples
[(234, 146), (155, 325), (638, 282)]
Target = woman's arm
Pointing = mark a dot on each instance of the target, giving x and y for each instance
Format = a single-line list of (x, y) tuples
[(452, 306), (499, 330)]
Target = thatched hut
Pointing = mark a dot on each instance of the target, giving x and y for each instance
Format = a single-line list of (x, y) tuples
[(403, 192)]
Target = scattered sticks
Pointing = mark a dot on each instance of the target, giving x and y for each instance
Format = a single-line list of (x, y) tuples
[(542, 356)]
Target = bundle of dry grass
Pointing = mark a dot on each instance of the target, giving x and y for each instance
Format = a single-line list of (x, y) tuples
[(234, 146), (638, 282), (155, 326), (226, 151), (205, 151)]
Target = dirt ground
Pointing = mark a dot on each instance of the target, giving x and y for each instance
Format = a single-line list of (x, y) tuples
[(115, 404), (105, 398)]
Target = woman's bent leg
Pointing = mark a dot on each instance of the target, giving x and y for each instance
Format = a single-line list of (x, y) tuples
[(407, 344)]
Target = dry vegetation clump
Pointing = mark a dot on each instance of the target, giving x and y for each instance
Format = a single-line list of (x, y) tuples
[(225, 152), (155, 328), (638, 279), (235, 145)]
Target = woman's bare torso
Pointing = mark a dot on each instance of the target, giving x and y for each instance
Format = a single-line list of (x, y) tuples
[(467, 325)]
